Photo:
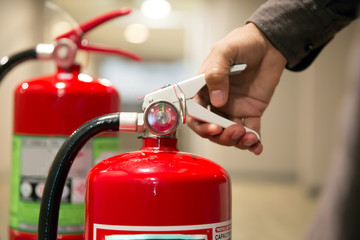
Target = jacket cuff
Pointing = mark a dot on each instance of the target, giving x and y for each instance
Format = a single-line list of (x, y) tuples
[(301, 29)]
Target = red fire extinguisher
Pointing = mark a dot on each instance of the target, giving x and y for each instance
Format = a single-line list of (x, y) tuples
[(47, 110), (154, 193)]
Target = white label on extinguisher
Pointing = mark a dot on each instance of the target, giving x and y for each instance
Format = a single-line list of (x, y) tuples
[(215, 231), (37, 154)]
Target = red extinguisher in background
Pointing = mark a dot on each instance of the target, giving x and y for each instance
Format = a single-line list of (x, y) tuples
[(156, 192), (47, 110)]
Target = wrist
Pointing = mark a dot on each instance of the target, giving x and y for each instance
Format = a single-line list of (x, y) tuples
[(268, 47)]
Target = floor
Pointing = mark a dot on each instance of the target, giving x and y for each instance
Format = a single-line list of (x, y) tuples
[(4, 206), (261, 210), (268, 211)]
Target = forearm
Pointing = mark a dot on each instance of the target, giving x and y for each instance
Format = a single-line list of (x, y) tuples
[(300, 29)]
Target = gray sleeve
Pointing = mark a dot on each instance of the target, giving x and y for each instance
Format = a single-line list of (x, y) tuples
[(299, 29)]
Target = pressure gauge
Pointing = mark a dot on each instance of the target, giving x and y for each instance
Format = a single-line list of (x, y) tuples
[(161, 118)]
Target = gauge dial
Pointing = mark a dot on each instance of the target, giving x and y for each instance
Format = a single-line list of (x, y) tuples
[(161, 118)]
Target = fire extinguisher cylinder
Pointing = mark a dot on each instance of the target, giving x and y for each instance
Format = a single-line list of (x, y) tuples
[(54, 106), (123, 179)]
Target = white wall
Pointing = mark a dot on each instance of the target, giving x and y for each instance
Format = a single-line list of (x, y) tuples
[(20, 27), (322, 88)]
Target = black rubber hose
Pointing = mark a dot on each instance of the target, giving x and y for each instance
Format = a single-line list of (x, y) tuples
[(9, 63), (50, 202)]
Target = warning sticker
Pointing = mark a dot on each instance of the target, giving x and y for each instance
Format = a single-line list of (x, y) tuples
[(156, 237), (216, 231)]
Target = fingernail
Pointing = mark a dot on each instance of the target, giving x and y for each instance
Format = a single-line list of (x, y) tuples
[(248, 143), (257, 149), (217, 97)]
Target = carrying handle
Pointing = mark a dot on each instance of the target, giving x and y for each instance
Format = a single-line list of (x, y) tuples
[(76, 34)]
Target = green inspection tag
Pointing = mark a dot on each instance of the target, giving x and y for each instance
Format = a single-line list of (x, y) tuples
[(31, 159)]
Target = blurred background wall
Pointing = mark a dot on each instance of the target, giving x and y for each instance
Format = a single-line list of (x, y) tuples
[(299, 128)]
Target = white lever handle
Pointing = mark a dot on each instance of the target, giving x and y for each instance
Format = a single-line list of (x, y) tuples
[(197, 111)]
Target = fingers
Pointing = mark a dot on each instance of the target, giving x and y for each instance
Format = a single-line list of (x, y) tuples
[(230, 136), (251, 139), (234, 135), (256, 149), (204, 130)]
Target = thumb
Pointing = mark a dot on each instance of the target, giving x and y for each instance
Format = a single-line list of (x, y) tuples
[(217, 81)]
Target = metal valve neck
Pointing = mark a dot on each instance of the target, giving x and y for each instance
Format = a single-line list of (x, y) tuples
[(157, 143), (75, 69)]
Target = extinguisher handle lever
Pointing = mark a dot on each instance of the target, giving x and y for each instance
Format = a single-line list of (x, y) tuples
[(103, 49), (76, 34), (181, 96)]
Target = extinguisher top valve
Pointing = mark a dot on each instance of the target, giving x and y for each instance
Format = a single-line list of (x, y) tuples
[(64, 49), (163, 108), (64, 53)]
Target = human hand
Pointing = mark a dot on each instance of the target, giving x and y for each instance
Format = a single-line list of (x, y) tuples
[(241, 98)]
